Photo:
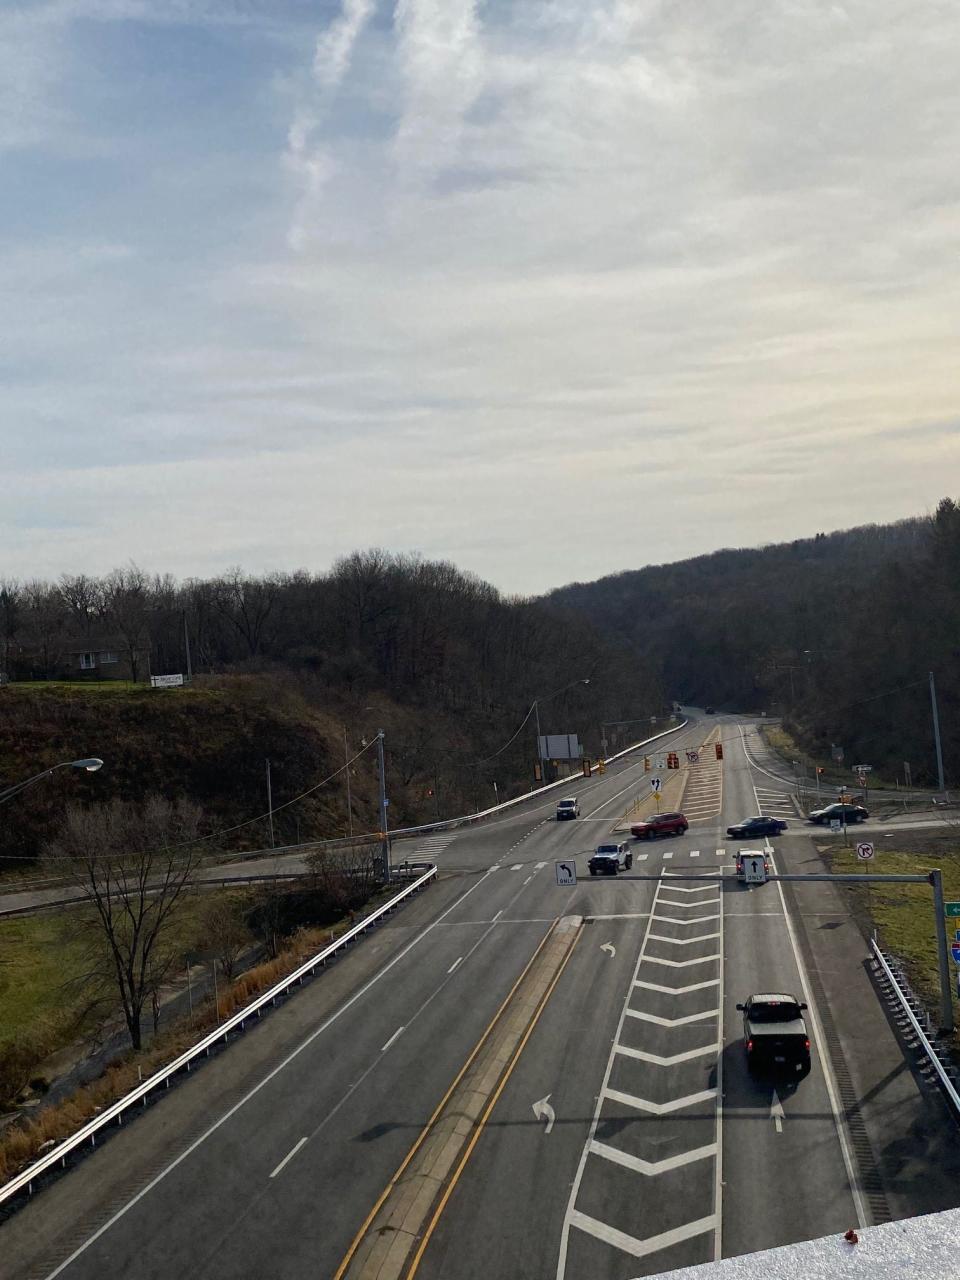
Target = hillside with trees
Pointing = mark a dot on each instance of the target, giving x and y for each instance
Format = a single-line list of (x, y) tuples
[(836, 632), (301, 669)]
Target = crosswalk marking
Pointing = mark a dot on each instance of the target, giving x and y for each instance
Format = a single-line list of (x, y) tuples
[(668, 854), (694, 853)]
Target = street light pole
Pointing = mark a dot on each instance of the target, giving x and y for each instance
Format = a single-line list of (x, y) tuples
[(936, 734), (90, 764), (383, 807), (536, 707), (273, 843)]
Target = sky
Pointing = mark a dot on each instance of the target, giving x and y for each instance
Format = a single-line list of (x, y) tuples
[(550, 290)]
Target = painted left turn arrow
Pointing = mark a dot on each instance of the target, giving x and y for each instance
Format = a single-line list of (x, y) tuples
[(608, 946), (543, 1111)]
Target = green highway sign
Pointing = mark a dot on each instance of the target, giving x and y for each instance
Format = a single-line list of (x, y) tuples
[(951, 908)]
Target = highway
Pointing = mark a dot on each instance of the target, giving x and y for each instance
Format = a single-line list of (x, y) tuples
[(620, 1134)]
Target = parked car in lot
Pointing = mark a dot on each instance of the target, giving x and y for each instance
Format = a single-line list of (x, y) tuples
[(611, 858), (659, 824), (775, 1034), (847, 813), (742, 864), (758, 826), (568, 809)]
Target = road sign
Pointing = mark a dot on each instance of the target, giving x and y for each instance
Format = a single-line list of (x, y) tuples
[(693, 756), (661, 762), (834, 824), (656, 783), (865, 851), (956, 934), (862, 768), (955, 952), (566, 873), (951, 908)]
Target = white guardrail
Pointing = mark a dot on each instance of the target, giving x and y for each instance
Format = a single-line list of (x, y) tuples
[(928, 1046), (24, 1181), (447, 823)]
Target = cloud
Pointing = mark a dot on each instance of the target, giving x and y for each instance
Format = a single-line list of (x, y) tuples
[(450, 276)]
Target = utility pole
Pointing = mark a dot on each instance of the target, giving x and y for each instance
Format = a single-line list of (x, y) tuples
[(536, 707), (186, 643), (936, 734), (346, 763), (383, 807), (273, 843)]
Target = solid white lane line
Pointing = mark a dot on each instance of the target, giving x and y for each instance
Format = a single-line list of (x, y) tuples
[(817, 1036), (455, 963), (289, 1156), (497, 916), (622, 915), (527, 881), (227, 1115), (396, 1035)]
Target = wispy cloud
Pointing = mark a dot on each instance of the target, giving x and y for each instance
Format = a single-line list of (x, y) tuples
[(444, 275)]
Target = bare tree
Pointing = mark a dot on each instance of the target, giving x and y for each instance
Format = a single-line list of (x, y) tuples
[(133, 862), (225, 931), (126, 597)]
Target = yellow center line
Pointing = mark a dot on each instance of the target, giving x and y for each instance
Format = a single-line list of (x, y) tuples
[(487, 1112), (356, 1241)]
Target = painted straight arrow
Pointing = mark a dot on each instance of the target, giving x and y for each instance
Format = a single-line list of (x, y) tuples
[(776, 1112), (543, 1111)]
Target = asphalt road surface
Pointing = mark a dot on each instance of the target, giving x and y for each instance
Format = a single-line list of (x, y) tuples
[(650, 1146)]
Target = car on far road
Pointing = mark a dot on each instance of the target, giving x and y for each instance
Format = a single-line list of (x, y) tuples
[(757, 826), (659, 824), (847, 813), (568, 809), (611, 858), (708, 711), (775, 1034)]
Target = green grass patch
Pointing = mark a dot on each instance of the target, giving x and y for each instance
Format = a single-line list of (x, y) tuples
[(38, 958), (903, 914)]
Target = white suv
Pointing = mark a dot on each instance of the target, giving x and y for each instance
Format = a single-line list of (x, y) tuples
[(568, 809)]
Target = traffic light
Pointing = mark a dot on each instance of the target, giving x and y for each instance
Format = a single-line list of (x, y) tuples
[(719, 750), (601, 766), (820, 769), (585, 766), (646, 764)]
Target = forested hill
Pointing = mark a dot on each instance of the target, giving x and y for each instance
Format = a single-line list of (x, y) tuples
[(816, 629)]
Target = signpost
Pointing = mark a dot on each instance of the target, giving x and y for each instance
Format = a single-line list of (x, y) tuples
[(566, 874)]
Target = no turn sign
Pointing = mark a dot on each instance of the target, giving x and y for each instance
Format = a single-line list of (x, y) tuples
[(865, 851)]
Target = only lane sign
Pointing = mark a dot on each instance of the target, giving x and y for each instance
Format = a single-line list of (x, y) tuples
[(566, 873)]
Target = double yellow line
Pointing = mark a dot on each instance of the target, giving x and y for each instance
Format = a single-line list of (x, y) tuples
[(409, 1269)]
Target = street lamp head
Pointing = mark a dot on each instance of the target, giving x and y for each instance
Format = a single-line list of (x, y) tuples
[(91, 764)]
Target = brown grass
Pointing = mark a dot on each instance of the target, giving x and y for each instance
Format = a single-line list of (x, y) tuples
[(22, 1141)]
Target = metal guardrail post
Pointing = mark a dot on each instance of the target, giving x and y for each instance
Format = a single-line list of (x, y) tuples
[(919, 1032)]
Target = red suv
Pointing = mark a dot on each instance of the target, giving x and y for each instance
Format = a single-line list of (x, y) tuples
[(660, 824)]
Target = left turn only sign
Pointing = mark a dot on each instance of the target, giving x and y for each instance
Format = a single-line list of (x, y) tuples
[(566, 873)]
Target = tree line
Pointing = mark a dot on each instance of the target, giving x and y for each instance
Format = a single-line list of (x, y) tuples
[(837, 633)]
